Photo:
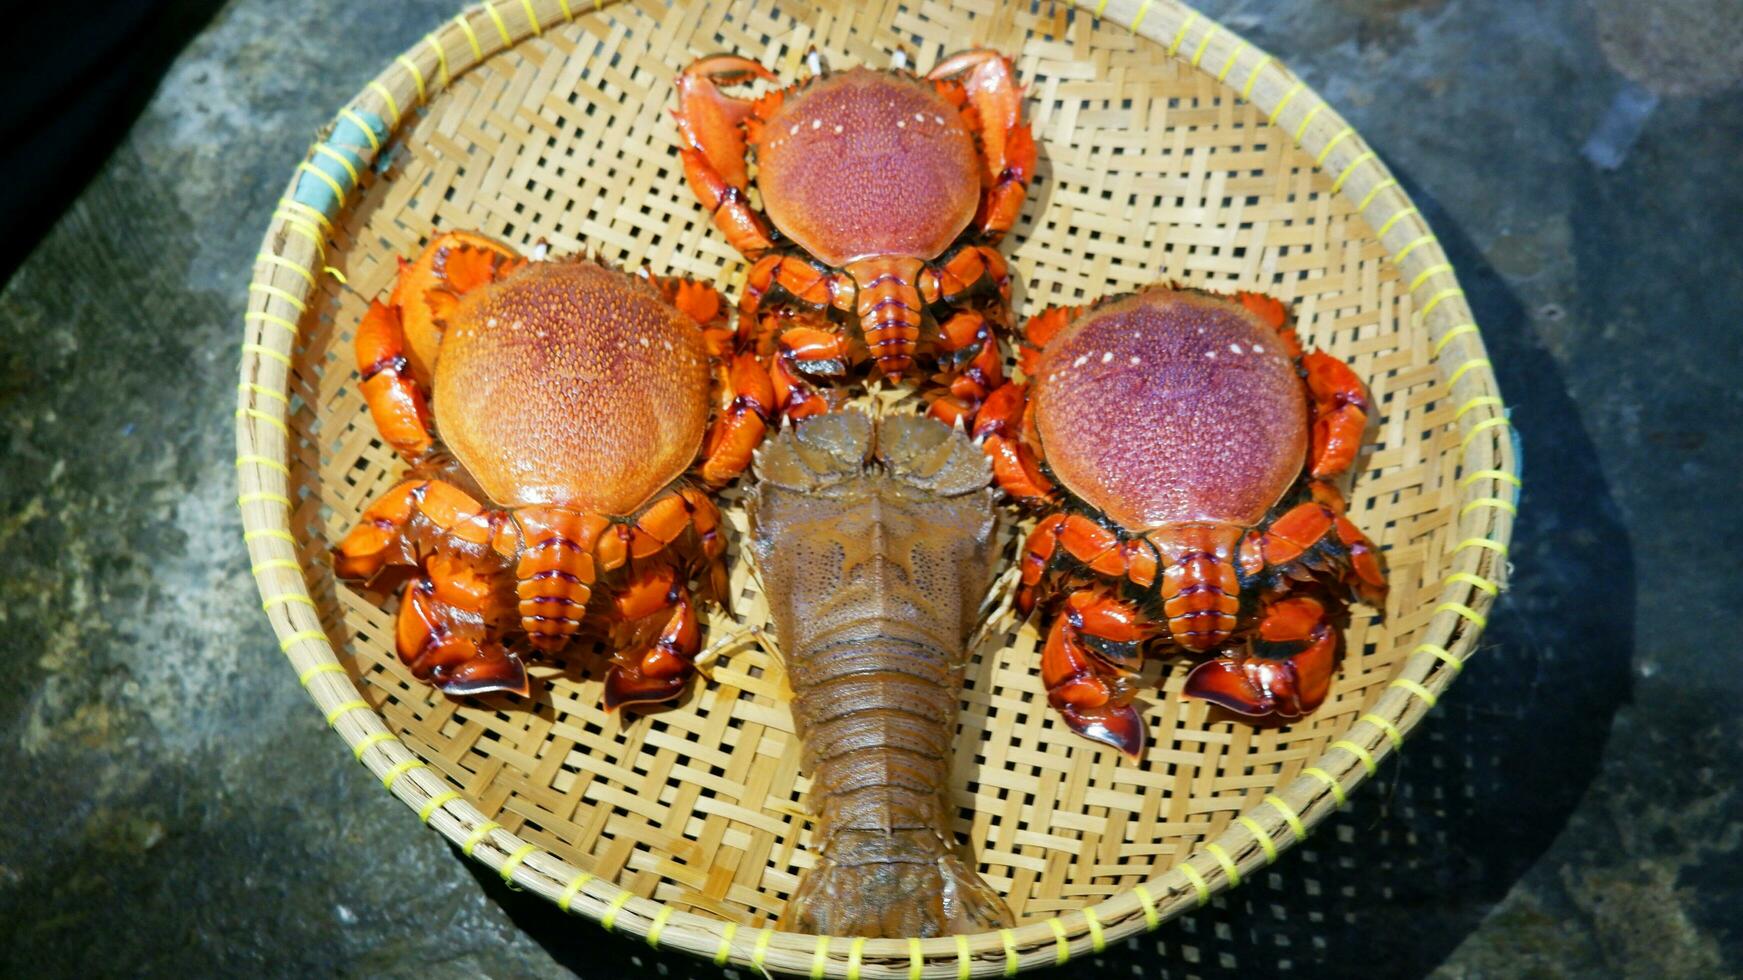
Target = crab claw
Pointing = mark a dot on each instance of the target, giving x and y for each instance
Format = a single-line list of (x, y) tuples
[(712, 123), (1088, 665), (494, 669), (1007, 146), (1274, 687), (1117, 725)]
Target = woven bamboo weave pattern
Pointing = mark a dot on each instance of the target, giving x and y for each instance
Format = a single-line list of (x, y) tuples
[(1215, 167)]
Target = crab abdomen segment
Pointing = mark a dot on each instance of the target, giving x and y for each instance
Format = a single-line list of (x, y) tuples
[(863, 162), (573, 385), (1172, 406)]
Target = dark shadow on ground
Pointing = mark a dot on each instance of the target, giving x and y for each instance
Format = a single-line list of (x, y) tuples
[(1421, 854)]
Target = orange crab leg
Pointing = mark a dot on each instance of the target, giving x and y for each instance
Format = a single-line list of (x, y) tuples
[(382, 535), (1015, 467), (448, 644), (989, 82), (1039, 330), (660, 640), (1340, 411), (396, 400), (973, 367), (742, 424), (1088, 667), (713, 129), (454, 261), (1285, 687)]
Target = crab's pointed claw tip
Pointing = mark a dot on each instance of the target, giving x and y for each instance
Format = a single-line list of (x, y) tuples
[(622, 689), (491, 672), (1121, 727), (1225, 682)]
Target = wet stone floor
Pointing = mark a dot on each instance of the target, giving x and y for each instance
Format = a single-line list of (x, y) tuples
[(173, 804)]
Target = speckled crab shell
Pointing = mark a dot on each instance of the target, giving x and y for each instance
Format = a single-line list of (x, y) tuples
[(1172, 406), (865, 162), (571, 384)]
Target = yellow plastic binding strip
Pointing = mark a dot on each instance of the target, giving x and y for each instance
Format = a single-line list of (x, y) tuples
[(251, 459), (1253, 76), (1101, 8), (1359, 752), (917, 961), (1466, 368), (1301, 129), (1230, 64), (1382, 724), (1495, 546), (441, 58), (609, 919), (570, 15), (436, 802), (820, 958), (284, 294), (1450, 335), (1203, 45), (1482, 584), (1061, 945), (1502, 475), (1143, 8), (1424, 693), (1290, 817), (1350, 168), (1152, 918), (307, 210), (1477, 430), (417, 79), (1228, 863), (309, 168), (465, 25), (272, 532), (1477, 402), (1258, 832), (762, 947), (1438, 298), (387, 97), (280, 260), (964, 966), (1463, 611), (1491, 503), (1331, 783), (1429, 273), (391, 776), (1278, 111), (573, 888), (277, 396), (1342, 135), (1441, 653), (724, 953), (366, 741), (368, 131), (272, 563), (1097, 941), (1180, 36), (261, 316), (1415, 243), (1374, 192), (1199, 885), (659, 925), (514, 860), (317, 670), (532, 18), (1010, 943), (275, 422), (855, 953), (305, 229), (340, 710), (501, 28), (246, 499), (339, 158)]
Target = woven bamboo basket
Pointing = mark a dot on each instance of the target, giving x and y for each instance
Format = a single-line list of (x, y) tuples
[(1171, 148)]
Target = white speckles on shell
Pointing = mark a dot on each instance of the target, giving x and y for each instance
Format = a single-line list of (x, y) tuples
[(1234, 348), (1107, 356)]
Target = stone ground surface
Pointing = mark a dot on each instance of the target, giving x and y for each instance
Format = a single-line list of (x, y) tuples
[(174, 805)]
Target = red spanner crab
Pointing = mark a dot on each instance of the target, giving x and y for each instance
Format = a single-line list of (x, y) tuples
[(884, 193), (571, 400), (1181, 449)]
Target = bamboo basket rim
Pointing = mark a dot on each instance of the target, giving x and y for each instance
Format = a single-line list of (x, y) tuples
[(285, 276)]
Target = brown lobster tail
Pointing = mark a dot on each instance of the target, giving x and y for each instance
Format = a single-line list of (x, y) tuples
[(874, 545), (1200, 588), (889, 308), (556, 573)]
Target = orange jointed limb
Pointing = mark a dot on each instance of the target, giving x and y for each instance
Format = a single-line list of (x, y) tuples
[(380, 537), (1263, 686), (396, 399), (1015, 466), (987, 82), (713, 127), (661, 638), (452, 264), (740, 427), (1340, 413), (1088, 667), (451, 646)]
